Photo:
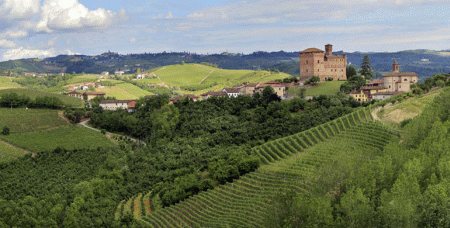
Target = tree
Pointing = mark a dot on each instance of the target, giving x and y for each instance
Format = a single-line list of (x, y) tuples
[(182, 62), (350, 71), (313, 80), (5, 130), (366, 69)]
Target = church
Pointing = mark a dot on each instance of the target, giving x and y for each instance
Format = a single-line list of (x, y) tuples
[(325, 65)]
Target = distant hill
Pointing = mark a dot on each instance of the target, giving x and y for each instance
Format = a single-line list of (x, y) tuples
[(426, 63)]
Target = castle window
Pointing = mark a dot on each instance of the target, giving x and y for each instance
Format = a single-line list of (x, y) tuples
[(306, 61), (405, 80), (306, 70), (318, 61)]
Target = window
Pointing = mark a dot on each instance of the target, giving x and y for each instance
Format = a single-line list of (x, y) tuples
[(306, 61), (318, 61), (405, 80), (389, 87), (306, 70)]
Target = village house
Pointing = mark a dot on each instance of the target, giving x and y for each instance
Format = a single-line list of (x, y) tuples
[(279, 88), (231, 92), (112, 105), (29, 74), (399, 81), (75, 94), (211, 94), (248, 89), (191, 97), (92, 95), (119, 73), (325, 65), (105, 73)]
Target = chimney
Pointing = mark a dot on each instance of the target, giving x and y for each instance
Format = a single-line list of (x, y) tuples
[(329, 49)]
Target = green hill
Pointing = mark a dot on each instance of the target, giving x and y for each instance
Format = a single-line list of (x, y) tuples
[(292, 163), (322, 88), (32, 93), (198, 78), (6, 83)]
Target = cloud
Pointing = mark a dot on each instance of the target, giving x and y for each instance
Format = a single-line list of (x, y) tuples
[(271, 11), (21, 53), (133, 40), (6, 44), (18, 9), (15, 33), (70, 14), (160, 16)]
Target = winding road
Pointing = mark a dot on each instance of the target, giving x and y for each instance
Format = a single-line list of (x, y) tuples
[(84, 124)]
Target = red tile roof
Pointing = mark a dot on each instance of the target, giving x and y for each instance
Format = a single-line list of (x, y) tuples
[(74, 92), (312, 50), (376, 81), (231, 90), (372, 87)]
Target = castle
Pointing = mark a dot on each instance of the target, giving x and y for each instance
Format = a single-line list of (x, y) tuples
[(325, 65)]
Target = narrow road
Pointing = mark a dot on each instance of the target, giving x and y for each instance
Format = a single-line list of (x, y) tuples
[(83, 123)]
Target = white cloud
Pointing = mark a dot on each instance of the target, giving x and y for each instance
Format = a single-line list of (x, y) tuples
[(6, 44), (69, 52), (70, 14), (18, 9), (133, 40), (16, 33), (21, 53), (270, 11), (167, 16)]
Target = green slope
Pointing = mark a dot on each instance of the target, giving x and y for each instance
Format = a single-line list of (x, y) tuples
[(292, 163), (31, 93)]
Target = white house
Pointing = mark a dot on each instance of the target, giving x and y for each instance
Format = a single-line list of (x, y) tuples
[(231, 92), (112, 105)]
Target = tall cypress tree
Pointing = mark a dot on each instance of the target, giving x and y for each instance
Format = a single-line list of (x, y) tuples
[(366, 69)]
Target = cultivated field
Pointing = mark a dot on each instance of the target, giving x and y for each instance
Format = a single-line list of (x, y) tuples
[(21, 120), (408, 108), (124, 91), (31, 93), (9, 152), (6, 83), (67, 137), (292, 163)]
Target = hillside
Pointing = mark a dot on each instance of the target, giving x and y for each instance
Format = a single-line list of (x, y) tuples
[(33, 93), (424, 62), (7, 83), (408, 109), (292, 163)]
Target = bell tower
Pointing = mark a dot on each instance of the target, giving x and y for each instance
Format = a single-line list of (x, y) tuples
[(395, 67)]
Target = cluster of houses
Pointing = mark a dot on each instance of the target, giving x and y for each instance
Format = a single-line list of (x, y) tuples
[(392, 84), (251, 89), (39, 75), (90, 95), (84, 86)]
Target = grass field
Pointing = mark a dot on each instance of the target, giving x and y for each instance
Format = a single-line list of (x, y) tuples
[(83, 78), (9, 153), (124, 91), (323, 88), (21, 120), (5, 83), (408, 108), (31, 93), (67, 137)]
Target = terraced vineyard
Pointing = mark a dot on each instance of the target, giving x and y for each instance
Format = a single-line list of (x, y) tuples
[(244, 202)]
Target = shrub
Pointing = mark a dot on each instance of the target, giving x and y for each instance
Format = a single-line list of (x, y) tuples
[(5, 130), (404, 122), (103, 131)]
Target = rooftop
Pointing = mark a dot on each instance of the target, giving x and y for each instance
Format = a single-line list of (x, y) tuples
[(312, 50)]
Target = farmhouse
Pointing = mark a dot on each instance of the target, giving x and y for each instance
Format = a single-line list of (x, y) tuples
[(231, 92), (92, 95), (325, 65), (248, 89), (112, 105), (75, 94), (212, 94), (279, 88), (191, 97)]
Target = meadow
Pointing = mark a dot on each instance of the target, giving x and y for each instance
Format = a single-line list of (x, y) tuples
[(21, 120), (9, 152), (67, 137), (6, 83), (124, 91), (32, 93)]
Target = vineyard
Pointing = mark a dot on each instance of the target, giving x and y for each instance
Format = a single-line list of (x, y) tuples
[(21, 120), (31, 93), (9, 152), (67, 137), (292, 163)]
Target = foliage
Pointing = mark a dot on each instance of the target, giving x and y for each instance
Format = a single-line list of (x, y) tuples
[(33, 94), (5, 130), (366, 69), (21, 120), (351, 71), (313, 80), (354, 82), (68, 137)]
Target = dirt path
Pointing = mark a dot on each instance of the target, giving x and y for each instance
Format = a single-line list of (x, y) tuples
[(108, 134), (206, 77), (375, 112), (11, 145)]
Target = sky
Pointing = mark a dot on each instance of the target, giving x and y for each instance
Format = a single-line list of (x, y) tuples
[(44, 28)]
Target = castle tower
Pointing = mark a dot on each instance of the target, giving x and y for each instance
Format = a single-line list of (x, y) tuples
[(329, 49), (395, 67)]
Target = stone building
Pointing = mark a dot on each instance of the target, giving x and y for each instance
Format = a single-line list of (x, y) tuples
[(399, 81), (325, 65)]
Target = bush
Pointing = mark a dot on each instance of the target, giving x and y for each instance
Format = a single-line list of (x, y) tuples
[(404, 122), (5, 130), (103, 131)]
